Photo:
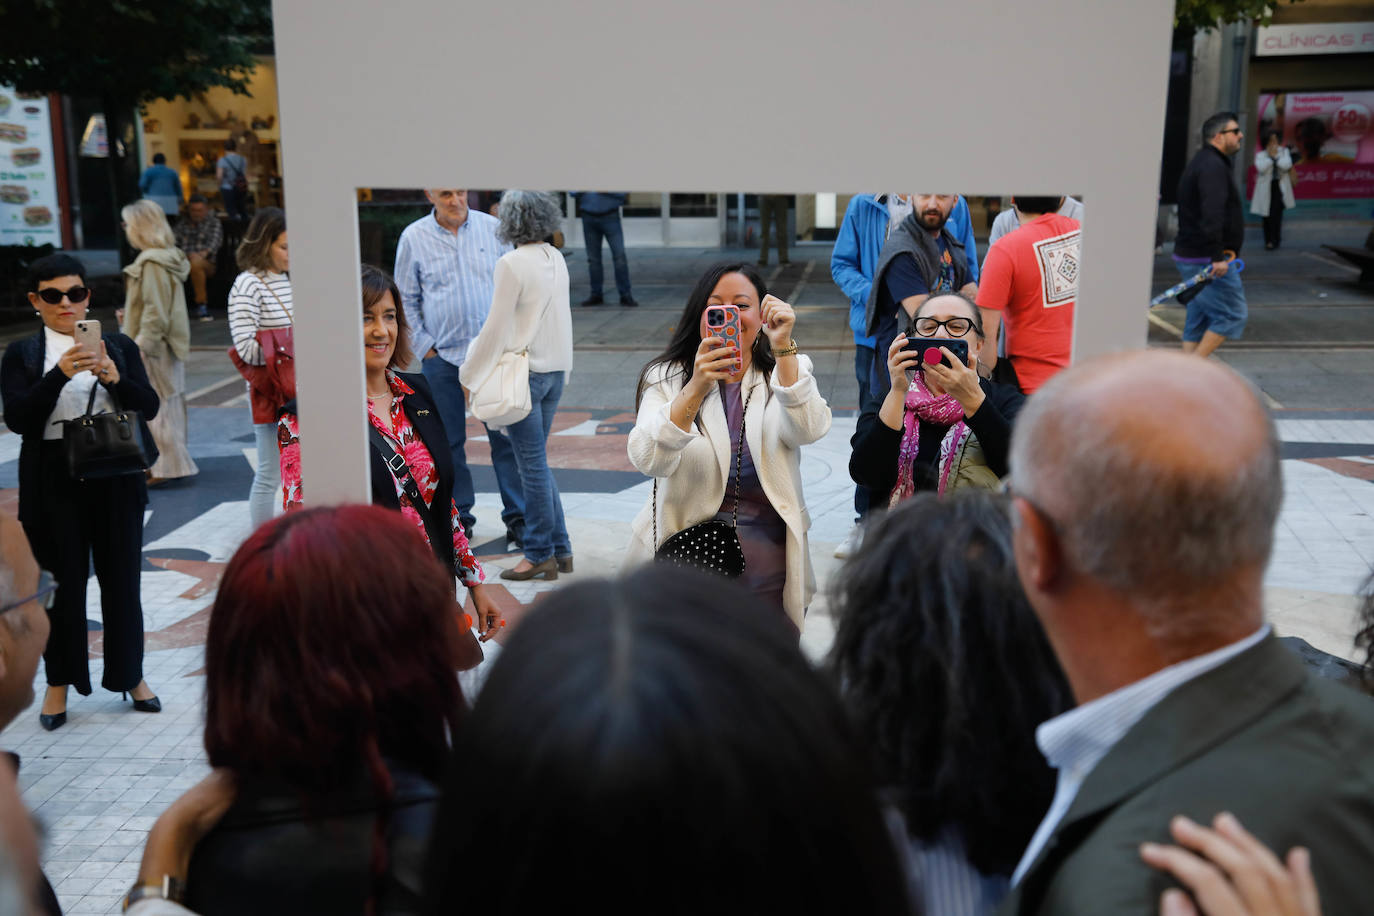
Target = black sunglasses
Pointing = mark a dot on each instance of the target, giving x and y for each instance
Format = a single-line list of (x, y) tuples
[(54, 296), (47, 590)]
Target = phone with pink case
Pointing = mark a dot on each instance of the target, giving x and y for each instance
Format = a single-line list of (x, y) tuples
[(723, 322)]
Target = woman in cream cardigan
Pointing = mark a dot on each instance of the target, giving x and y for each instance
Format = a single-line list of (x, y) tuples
[(690, 403), (529, 311), (1273, 188)]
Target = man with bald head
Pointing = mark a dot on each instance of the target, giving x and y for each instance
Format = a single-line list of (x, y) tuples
[(1146, 487)]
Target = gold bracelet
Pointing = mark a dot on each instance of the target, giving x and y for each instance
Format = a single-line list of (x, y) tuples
[(789, 350)]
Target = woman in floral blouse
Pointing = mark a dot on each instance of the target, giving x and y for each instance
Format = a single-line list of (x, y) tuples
[(404, 421)]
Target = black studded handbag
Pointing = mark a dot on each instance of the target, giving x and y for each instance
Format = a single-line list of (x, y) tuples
[(713, 545), (107, 444)]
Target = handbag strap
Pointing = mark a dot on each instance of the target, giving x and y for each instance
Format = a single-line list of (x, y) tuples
[(90, 401), (396, 463), (739, 463), (540, 320), (281, 305)]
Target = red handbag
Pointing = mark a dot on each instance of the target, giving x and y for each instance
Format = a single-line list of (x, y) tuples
[(274, 383)]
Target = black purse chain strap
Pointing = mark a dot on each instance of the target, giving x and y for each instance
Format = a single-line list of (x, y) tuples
[(739, 463)]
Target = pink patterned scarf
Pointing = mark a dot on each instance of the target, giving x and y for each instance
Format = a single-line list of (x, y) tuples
[(944, 410)]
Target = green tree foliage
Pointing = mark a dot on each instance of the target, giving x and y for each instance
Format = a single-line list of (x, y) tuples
[(1204, 15), (130, 51)]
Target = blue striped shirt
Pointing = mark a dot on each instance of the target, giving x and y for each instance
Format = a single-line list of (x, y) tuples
[(1076, 741), (446, 282)]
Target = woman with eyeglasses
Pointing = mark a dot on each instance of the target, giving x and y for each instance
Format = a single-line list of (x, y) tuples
[(942, 426), (45, 379)]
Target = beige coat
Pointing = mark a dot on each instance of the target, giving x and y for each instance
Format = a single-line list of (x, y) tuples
[(693, 467), (155, 302)]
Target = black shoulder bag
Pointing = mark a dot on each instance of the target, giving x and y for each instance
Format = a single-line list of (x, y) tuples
[(107, 444), (713, 545)]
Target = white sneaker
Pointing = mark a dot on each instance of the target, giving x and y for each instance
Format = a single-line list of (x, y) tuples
[(850, 545)]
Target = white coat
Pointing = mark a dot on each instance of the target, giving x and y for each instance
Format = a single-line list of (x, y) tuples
[(1264, 168), (693, 466)]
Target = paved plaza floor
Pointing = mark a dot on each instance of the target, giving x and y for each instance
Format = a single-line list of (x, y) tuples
[(98, 783)]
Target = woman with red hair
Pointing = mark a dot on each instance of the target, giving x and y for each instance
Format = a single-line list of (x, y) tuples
[(331, 696)]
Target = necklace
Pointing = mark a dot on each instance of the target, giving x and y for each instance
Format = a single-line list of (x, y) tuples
[(384, 394)]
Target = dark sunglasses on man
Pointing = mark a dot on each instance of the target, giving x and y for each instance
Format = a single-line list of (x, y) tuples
[(54, 296)]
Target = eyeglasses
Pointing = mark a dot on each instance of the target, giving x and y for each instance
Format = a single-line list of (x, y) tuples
[(955, 327), (54, 296), (47, 591), (1231, 130)]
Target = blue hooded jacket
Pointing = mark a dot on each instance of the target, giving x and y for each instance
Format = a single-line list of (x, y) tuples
[(860, 240)]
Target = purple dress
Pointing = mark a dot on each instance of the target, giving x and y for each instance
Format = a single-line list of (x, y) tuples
[(762, 532)]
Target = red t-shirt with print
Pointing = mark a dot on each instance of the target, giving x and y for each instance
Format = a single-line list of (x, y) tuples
[(1031, 277)]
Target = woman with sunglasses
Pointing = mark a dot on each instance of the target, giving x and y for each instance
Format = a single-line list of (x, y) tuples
[(941, 426), (45, 379)]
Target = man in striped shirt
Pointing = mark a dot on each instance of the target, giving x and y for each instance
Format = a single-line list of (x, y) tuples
[(445, 263), (1147, 489)]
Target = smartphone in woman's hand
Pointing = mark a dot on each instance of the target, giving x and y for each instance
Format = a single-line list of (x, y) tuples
[(723, 322)]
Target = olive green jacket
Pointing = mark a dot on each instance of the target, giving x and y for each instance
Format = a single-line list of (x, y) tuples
[(1288, 753)]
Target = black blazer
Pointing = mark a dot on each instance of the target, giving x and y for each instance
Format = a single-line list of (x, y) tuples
[(30, 396), (424, 417), (268, 855)]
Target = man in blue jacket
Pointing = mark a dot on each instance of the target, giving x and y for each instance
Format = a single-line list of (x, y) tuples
[(867, 223)]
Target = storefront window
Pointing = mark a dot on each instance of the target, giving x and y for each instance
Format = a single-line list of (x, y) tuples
[(692, 205)]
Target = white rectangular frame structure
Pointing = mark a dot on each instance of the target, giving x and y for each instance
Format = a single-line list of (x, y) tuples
[(771, 95)]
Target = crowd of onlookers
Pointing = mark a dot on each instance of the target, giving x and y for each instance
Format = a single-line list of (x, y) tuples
[(1052, 688)]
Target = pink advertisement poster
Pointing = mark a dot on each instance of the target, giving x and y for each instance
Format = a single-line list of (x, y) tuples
[(1330, 136)]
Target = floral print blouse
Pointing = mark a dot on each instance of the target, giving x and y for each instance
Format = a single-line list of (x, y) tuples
[(404, 440)]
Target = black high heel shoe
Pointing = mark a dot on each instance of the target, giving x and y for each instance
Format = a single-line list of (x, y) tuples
[(152, 704), (52, 722)]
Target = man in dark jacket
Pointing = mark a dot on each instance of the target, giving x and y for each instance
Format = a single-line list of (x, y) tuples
[(1211, 228)]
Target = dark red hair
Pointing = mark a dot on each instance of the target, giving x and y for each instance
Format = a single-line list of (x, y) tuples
[(332, 643)]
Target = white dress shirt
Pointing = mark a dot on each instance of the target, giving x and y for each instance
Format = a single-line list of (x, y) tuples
[(1076, 741), (446, 281)]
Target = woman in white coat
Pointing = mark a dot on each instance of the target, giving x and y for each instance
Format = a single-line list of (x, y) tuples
[(1273, 187), (690, 403)]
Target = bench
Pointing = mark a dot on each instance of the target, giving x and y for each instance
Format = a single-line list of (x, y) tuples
[(1363, 258)]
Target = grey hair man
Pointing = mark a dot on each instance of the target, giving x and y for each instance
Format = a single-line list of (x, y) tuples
[(1146, 491)]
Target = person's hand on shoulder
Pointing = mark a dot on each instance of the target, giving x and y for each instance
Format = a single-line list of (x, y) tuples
[(1231, 873)]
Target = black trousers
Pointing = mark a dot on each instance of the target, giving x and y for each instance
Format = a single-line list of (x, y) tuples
[(772, 209), (1273, 223), (77, 522)]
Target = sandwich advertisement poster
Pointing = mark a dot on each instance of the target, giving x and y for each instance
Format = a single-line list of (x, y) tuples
[(28, 175)]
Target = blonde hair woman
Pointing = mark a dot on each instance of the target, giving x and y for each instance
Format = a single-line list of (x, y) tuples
[(155, 317)]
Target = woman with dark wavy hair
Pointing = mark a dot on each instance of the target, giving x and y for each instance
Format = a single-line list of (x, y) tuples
[(946, 673), (330, 696), (721, 427)]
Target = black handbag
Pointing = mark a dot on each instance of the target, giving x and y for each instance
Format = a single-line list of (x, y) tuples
[(713, 545), (107, 444)]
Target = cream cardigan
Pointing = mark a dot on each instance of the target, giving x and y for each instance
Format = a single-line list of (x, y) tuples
[(693, 466), (524, 281)]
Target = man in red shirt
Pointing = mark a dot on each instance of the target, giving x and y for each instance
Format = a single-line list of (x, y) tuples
[(1030, 279)]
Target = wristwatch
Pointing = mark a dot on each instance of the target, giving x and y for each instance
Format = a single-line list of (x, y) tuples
[(170, 888), (789, 350)]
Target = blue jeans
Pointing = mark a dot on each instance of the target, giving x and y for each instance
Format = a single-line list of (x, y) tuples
[(864, 358), (546, 535), (265, 494), (448, 397), (1219, 308), (607, 226)]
